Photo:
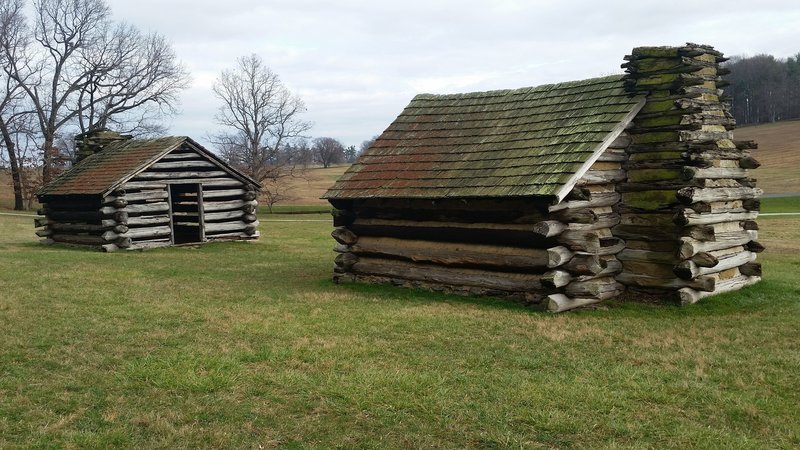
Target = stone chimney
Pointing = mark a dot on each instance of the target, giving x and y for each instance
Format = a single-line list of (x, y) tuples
[(91, 142), (688, 207)]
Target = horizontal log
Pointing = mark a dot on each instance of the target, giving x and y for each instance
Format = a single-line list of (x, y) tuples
[(230, 226), (690, 247), (703, 283), (714, 173), (228, 193), (479, 233), (581, 215), (606, 220), (584, 264), (136, 197), (687, 216), (689, 269), (150, 244), (647, 255), (689, 296), (646, 233), (509, 282), (184, 164), (139, 233), (142, 221), (227, 215), (178, 156), (78, 239), (179, 175), (690, 195), (137, 208), (458, 254), (229, 205), (559, 302)]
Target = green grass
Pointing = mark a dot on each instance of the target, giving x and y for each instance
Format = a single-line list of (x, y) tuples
[(245, 345), (296, 209), (780, 205)]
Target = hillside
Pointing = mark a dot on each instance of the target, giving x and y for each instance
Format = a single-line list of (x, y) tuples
[(779, 154)]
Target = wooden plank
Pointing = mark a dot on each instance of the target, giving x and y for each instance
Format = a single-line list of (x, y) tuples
[(182, 176), (193, 164)]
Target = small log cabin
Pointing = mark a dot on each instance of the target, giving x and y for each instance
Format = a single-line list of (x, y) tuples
[(561, 195), (133, 194)]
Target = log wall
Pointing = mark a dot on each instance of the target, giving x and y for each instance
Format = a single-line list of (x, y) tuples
[(557, 256), (139, 214), (688, 205)]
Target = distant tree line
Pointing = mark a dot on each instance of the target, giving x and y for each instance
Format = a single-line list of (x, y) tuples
[(764, 88)]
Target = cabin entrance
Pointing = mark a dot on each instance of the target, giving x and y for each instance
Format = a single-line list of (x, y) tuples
[(186, 213)]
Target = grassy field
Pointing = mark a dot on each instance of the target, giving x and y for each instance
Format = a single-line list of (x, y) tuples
[(779, 154), (249, 345)]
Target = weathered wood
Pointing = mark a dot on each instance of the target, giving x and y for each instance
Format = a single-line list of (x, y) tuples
[(584, 264), (229, 205), (585, 241), (689, 296), (754, 247), (346, 260), (593, 177), (556, 278), (143, 221), (136, 197), (583, 215), (230, 226), (559, 302), (142, 185), (344, 236), (150, 244), (606, 220), (138, 233), (228, 193), (703, 283), (548, 228), (686, 216), (752, 204), (457, 254), (690, 247), (637, 232), (229, 215), (714, 173), (705, 259), (78, 239), (601, 288), (647, 255), (137, 208), (510, 282), (748, 162), (598, 200), (184, 164), (689, 269), (690, 195), (749, 225), (751, 269), (108, 248), (181, 175)]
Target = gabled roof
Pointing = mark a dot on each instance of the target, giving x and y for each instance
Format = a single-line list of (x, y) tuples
[(534, 141), (119, 161)]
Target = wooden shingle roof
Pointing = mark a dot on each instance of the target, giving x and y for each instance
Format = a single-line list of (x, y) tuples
[(510, 143), (102, 172)]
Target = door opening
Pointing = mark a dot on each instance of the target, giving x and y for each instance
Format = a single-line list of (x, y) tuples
[(186, 209)]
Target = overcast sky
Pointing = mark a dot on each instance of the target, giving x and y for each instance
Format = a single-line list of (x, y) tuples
[(357, 63)]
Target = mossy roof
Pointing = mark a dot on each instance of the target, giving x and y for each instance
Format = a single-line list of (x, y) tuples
[(507, 143), (119, 161)]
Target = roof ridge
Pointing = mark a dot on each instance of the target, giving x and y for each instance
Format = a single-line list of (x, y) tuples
[(522, 90)]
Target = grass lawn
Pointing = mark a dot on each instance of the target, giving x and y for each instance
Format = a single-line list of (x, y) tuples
[(249, 345), (780, 205)]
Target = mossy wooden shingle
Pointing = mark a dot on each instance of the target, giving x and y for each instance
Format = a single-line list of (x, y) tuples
[(521, 142)]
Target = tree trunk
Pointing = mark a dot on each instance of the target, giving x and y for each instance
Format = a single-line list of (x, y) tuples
[(16, 175)]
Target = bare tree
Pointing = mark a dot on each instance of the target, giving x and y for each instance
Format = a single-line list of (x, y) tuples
[(327, 151), (13, 114), (262, 119), (367, 144), (83, 69)]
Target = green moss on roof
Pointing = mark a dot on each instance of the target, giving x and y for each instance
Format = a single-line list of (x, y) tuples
[(520, 142)]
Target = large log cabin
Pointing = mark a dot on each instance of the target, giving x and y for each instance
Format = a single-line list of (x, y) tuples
[(561, 195), (133, 194)]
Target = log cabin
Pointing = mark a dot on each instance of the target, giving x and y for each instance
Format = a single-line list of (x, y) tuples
[(134, 194), (560, 195)]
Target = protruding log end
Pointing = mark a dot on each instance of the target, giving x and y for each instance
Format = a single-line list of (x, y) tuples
[(559, 302), (558, 256), (688, 296), (108, 248), (754, 246), (752, 204), (705, 259), (748, 162), (686, 270), (556, 278), (751, 269), (344, 236), (549, 228), (346, 260)]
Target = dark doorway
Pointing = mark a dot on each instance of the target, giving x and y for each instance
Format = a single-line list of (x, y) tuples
[(186, 201)]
